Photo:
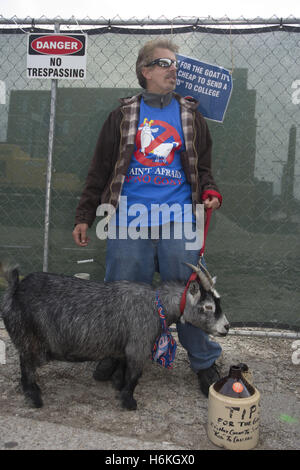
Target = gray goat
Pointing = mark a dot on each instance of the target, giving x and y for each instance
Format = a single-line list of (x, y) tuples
[(56, 317)]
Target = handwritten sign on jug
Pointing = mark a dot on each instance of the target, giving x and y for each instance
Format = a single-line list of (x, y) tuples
[(235, 426)]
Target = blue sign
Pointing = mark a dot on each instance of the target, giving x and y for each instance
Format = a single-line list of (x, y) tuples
[(209, 84)]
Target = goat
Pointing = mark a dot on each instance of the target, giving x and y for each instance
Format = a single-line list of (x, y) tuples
[(57, 317)]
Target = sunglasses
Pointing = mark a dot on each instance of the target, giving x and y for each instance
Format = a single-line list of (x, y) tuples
[(163, 63)]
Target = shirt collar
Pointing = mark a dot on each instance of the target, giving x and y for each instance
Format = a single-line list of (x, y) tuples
[(156, 100)]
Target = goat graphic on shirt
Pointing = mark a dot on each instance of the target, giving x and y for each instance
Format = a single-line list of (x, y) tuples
[(156, 142)]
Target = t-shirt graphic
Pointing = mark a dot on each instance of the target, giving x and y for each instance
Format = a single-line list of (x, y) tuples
[(155, 175), (156, 142)]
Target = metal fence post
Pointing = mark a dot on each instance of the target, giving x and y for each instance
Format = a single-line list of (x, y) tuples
[(49, 166)]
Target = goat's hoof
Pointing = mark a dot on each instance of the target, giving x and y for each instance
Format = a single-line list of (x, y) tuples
[(129, 403), (34, 399)]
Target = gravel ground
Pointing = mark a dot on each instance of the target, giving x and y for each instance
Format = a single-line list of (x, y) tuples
[(80, 413)]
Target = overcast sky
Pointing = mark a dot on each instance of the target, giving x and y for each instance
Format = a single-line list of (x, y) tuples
[(153, 8)]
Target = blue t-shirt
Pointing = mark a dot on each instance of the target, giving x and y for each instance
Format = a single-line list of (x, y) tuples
[(155, 175)]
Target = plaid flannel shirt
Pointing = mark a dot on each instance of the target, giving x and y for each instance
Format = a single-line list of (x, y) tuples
[(115, 148)]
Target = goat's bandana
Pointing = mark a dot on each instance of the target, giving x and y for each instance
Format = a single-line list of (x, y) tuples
[(164, 348)]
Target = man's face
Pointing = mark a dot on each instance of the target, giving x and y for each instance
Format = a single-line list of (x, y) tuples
[(161, 80)]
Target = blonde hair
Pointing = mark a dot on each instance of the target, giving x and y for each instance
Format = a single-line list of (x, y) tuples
[(146, 56)]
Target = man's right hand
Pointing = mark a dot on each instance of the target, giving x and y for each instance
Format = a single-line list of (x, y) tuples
[(80, 235)]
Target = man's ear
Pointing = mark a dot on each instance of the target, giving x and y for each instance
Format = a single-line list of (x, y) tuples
[(146, 72)]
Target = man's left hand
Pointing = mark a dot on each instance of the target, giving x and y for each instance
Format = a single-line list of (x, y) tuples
[(211, 203)]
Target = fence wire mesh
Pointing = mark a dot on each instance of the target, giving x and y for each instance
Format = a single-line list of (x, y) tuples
[(253, 242)]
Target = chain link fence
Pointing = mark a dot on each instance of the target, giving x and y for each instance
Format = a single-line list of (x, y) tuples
[(253, 242)]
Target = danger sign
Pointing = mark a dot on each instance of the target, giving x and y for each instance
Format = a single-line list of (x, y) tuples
[(56, 56)]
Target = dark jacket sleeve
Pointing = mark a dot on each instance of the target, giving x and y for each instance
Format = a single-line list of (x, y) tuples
[(203, 146), (100, 170)]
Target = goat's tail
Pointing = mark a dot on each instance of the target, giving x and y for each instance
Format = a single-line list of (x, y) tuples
[(11, 274)]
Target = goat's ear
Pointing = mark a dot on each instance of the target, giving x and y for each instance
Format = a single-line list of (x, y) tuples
[(194, 292), (194, 287)]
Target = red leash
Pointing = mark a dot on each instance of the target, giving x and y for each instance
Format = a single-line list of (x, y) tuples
[(194, 276), (206, 225)]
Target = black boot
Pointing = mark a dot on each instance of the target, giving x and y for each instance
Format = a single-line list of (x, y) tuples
[(207, 377)]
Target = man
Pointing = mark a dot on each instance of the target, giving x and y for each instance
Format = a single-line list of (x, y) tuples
[(155, 148)]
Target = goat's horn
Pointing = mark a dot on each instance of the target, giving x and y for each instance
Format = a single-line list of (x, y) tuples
[(207, 273), (204, 280)]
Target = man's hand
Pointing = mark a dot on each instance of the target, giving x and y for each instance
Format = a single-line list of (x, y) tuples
[(80, 235), (211, 203)]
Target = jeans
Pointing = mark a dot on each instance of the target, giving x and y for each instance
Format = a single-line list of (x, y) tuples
[(137, 261)]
